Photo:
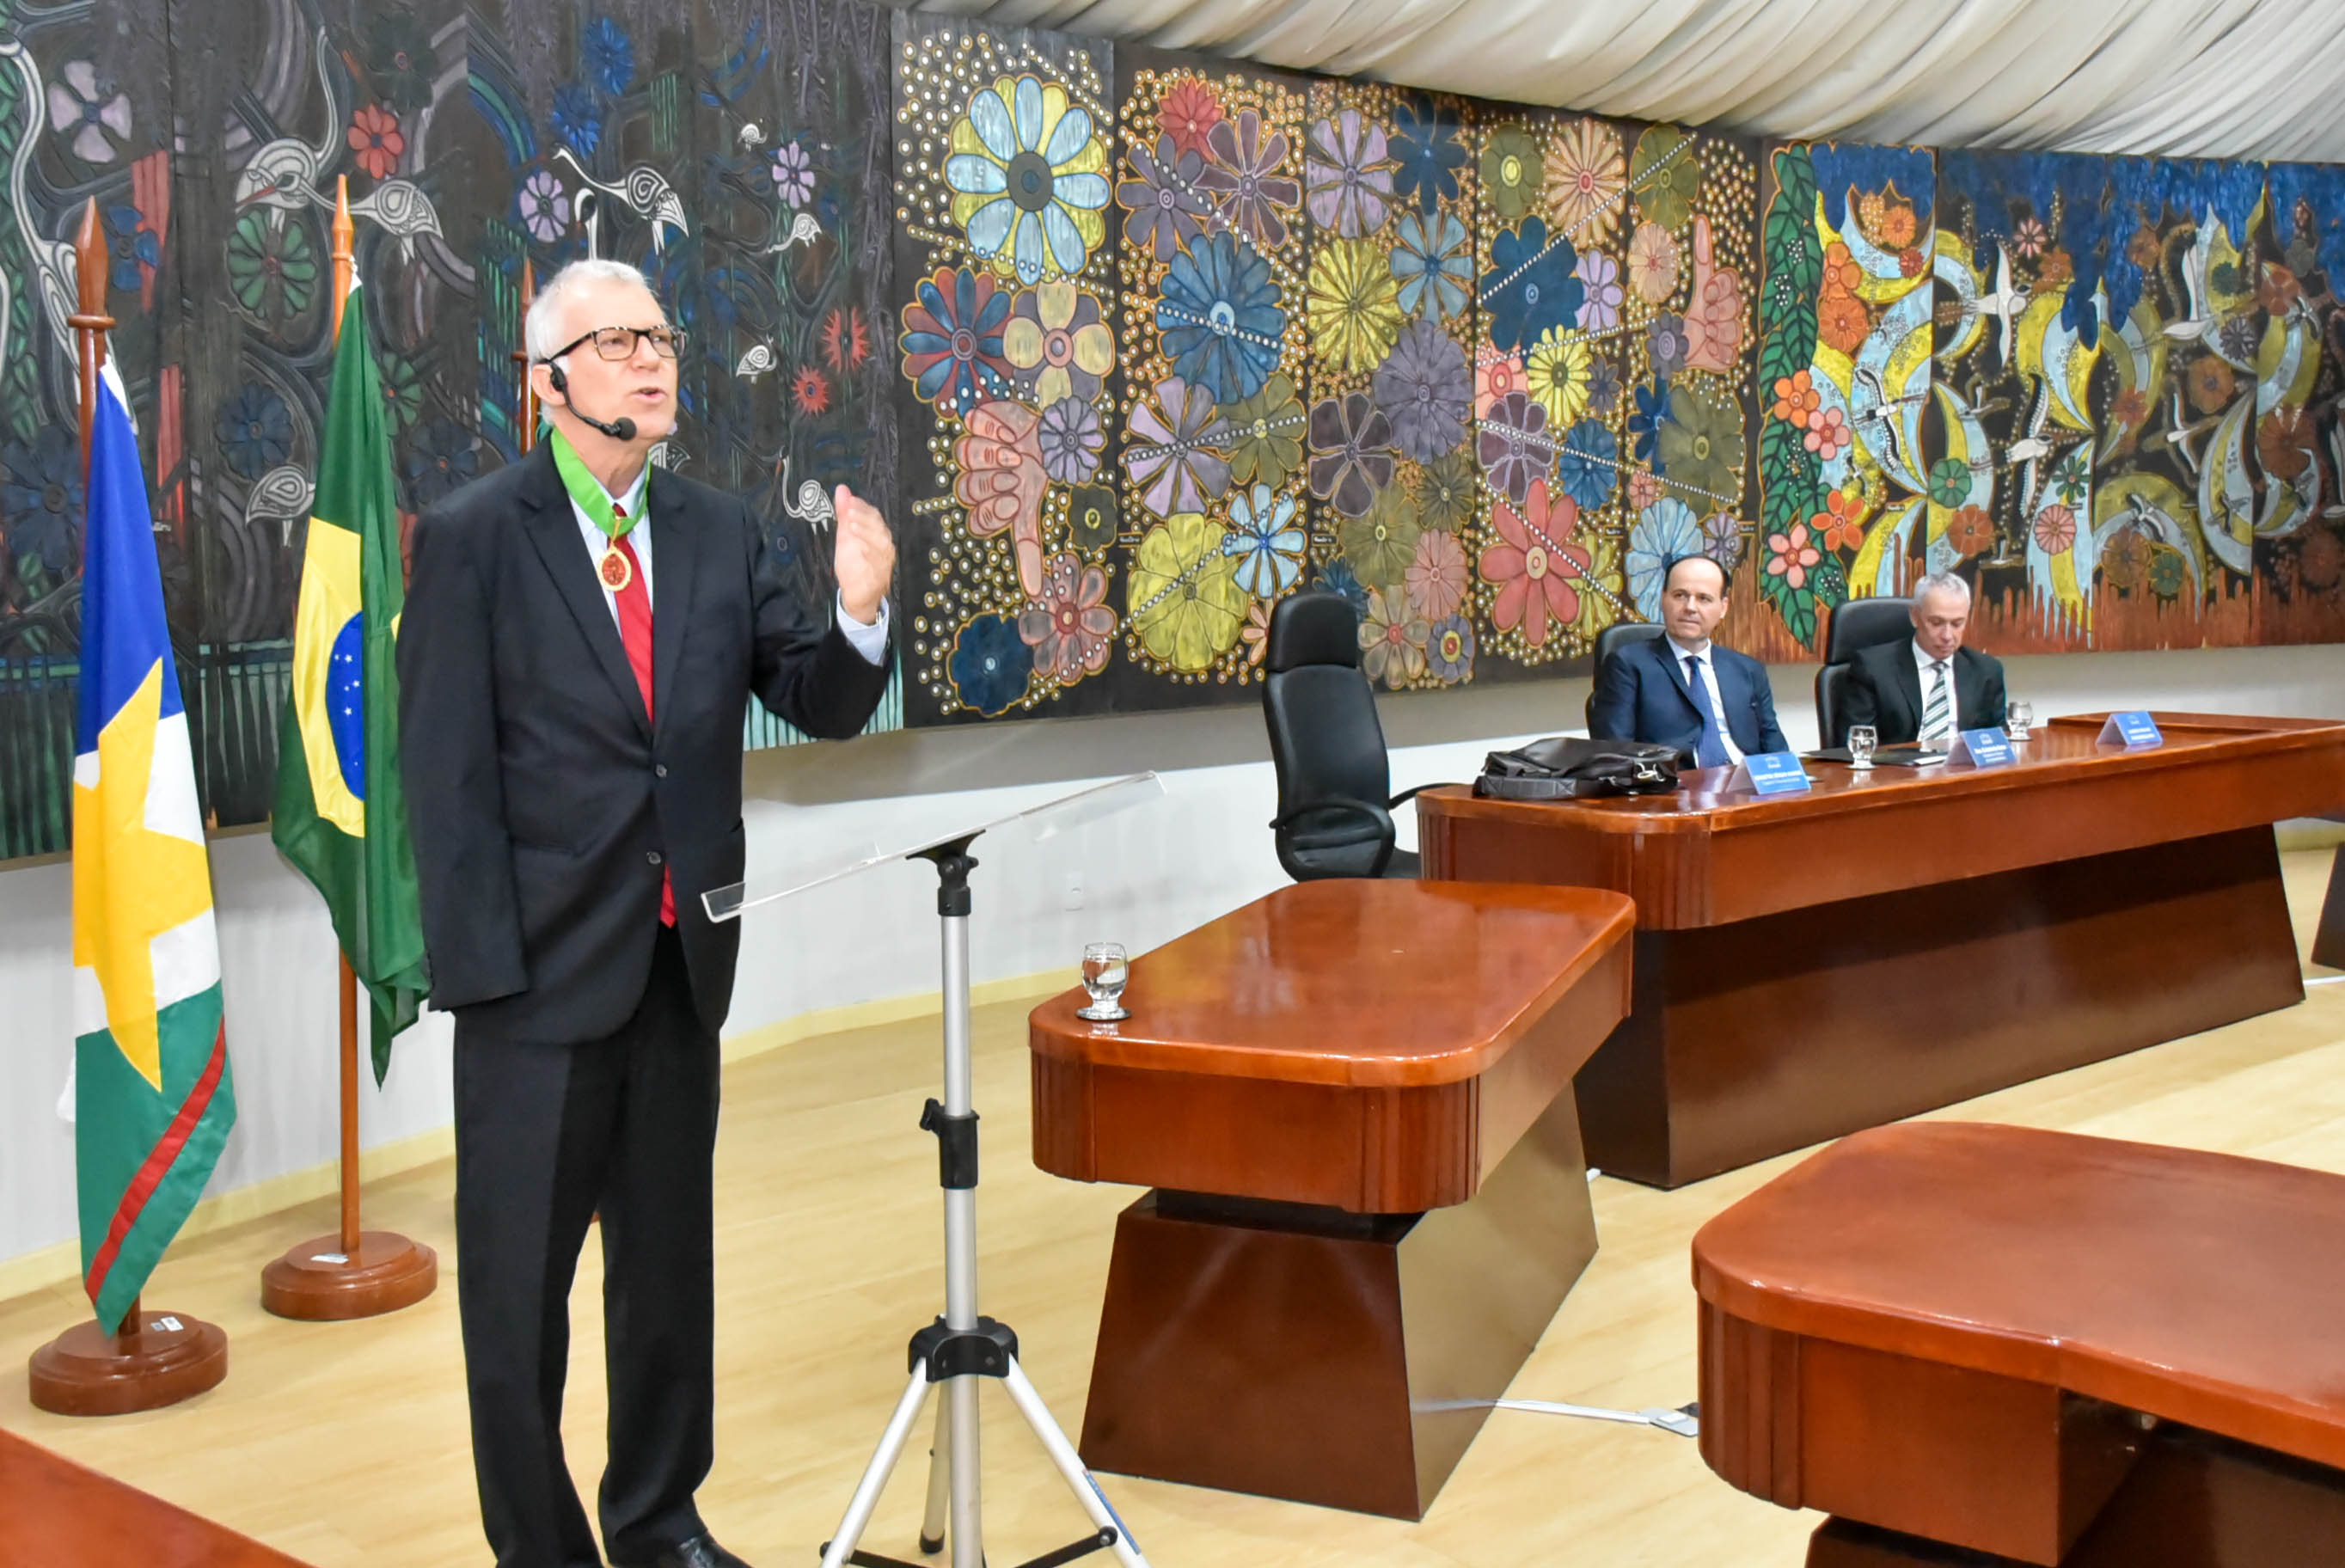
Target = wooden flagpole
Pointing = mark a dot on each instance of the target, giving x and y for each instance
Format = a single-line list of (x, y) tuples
[(155, 1359), (527, 415), (357, 1273)]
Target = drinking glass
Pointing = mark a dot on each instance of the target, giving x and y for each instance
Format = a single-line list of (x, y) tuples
[(2018, 717), (1862, 739), (1106, 970)]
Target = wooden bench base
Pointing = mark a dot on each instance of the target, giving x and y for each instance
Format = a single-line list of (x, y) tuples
[(2329, 941), (2192, 1500), (1322, 1357), (1751, 1039)]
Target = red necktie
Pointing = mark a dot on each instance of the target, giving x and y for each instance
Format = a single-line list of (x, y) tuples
[(635, 631)]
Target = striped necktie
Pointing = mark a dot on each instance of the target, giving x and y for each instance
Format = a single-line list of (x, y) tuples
[(1937, 717)]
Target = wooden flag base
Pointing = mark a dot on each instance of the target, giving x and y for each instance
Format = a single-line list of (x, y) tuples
[(318, 1282), (86, 1371)]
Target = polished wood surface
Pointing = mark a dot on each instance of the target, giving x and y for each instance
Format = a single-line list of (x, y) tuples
[(345, 1444), (1376, 1046), (2191, 1500), (1352, 982), (1341, 1360), (53, 1512), (1354, 1097), (163, 1358), (2025, 919), (1702, 857), (2328, 941), (1964, 1333), (325, 1279)]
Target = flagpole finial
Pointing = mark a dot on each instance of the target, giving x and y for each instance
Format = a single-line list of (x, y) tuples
[(345, 238), (90, 323)]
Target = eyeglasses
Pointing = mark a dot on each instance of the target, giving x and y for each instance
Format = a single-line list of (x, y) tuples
[(619, 342)]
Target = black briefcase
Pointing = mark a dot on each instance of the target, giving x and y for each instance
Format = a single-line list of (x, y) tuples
[(1569, 769)]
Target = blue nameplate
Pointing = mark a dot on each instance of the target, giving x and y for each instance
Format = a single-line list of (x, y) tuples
[(1980, 748), (2130, 730), (1770, 773)]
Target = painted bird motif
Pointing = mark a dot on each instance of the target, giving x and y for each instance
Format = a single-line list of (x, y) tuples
[(403, 211), (804, 231), (646, 191), (282, 494), (756, 362), (284, 175)]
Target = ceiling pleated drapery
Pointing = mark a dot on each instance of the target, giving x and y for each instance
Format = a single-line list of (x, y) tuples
[(2210, 78)]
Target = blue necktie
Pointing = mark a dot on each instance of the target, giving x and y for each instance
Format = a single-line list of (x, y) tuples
[(1711, 752)]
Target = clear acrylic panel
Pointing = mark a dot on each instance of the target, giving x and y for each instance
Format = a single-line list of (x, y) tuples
[(1044, 821)]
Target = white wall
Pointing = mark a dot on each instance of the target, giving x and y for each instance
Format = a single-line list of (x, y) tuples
[(1148, 876)]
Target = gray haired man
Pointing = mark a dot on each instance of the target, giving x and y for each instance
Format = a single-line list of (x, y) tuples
[(1922, 691)]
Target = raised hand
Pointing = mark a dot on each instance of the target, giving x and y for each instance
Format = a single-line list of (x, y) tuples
[(863, 555)]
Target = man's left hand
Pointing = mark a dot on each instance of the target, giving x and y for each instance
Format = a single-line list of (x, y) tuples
[(863, 556)]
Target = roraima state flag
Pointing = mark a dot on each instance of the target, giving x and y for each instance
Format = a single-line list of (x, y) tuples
[(153, 1096)]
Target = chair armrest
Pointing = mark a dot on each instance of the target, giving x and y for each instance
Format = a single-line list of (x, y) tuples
[(1407, 794), (1366, 809)]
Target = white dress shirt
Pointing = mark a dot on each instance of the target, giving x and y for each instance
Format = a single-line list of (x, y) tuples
[(870, 641), (1922, 662), (1702, 651)]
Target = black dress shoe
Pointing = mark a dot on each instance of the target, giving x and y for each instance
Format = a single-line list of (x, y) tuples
[(700, 1551)]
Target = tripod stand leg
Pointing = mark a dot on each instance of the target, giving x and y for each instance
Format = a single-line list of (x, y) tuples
[(876, 1473), (1071, 1465), (968, 1522), (933, 1522)]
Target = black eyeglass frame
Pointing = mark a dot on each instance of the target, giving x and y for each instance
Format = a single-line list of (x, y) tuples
[(635, 341)]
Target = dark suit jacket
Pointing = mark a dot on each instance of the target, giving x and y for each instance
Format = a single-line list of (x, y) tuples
[(1884, 690), (1642, 695), (543, 803)]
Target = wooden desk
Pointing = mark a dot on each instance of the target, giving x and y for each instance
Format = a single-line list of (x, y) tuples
[(1371, 1196), (1810, 965), (52, 1511), (2050, 1349)]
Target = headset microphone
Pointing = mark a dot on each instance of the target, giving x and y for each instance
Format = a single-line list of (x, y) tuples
[(620, 428)]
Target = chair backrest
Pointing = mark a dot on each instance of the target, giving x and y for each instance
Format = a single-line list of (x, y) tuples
[(1854, 626), (1609, 641), (1324, 741)]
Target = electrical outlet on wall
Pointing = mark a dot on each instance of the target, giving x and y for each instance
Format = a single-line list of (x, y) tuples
[(1074, 896)]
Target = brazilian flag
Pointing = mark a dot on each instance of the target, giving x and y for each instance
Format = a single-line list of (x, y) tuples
[(153, 1096), (341, 812)]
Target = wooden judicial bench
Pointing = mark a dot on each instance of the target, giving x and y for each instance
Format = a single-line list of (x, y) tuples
[(1978, 1347), (1884, 944), (1351, 1100), (54, 1512)]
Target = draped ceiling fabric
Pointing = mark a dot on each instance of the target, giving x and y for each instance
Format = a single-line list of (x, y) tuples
[(2203, 78)]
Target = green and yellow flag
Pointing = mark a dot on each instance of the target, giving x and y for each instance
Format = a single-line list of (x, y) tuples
[(153, 1096), (341, 811)]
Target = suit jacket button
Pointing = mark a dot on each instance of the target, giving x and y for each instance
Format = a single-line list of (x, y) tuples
[(659, 770), (653, 856)]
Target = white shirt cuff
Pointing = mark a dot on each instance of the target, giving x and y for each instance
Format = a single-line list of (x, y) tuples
[(870, 641)]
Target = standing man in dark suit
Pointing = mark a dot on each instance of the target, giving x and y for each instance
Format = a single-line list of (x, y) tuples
[(1924, 691), (581, 642), (1683, 690)]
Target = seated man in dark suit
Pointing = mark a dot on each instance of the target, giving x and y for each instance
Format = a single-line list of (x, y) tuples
[(1683, 690), (1924, 691)]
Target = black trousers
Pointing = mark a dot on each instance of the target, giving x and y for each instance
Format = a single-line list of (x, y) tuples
[(545, 1135)]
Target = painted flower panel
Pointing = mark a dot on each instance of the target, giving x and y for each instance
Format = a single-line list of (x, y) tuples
[(1029, 178)]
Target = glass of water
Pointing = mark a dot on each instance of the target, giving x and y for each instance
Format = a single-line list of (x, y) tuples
[(2018, 717), (1863, 738), (1106, 971)]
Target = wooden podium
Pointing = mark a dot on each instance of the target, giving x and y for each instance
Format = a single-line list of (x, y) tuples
[(1986, 1345), (1350, 1098), (1810, 965)]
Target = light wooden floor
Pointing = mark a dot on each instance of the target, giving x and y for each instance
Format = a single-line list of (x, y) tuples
[(346, 1444)]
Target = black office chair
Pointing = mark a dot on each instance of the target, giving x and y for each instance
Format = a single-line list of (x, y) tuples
[(1609, 641), (1855, 625), (1333, 817)]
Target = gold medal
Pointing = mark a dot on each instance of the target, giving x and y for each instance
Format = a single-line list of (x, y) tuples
[(616, 572)]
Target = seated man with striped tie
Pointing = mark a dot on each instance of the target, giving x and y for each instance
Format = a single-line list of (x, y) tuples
[(1683, 690), (1922, 691)]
